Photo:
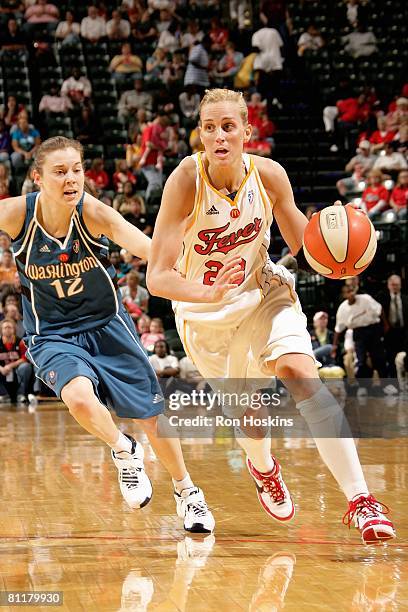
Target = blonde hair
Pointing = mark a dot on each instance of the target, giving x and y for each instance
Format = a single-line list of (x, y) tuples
[(212, 96)]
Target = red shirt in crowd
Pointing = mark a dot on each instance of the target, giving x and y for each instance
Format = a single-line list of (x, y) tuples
[(400, 196), (378, 137), (153, 133), (99, 177), (351, 111), (372, 195), (120, 177)]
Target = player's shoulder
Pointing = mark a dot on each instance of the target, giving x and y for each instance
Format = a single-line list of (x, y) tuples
[(184, 176), (268, 167), (12, 214)]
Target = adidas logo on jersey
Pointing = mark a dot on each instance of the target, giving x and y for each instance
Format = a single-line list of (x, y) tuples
[(157, 398), (212, 211), (45, 249)]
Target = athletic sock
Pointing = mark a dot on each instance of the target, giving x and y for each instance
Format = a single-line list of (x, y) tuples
[(258, 451), (185, 483), (326, 422), (122, 444)]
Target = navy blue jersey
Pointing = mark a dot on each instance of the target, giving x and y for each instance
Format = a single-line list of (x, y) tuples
[(68, 285)]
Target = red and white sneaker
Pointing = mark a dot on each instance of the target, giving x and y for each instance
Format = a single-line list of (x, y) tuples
[(368, 516), (273, 494)]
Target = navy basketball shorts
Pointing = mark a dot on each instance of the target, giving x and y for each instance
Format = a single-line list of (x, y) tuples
[(111, 356)]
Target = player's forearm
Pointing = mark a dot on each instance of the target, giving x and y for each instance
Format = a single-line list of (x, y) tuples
[(171, 285)]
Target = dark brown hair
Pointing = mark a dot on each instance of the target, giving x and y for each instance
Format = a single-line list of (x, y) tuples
[(56, 143)]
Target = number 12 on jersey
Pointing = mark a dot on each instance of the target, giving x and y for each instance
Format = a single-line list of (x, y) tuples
[(214, 267)]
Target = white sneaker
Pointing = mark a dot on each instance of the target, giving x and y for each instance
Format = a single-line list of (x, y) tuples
[(21, 399), (192, 507), (273, 494), (134, 483), (368, 517)]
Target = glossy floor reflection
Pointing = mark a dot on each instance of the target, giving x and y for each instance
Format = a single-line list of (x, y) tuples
[(64, 527)]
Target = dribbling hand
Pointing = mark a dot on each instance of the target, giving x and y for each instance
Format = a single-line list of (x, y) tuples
[(229, 277)]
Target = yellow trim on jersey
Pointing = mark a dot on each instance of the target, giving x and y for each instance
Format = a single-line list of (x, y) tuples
[(262, 190), (222, 195), (196, 208)]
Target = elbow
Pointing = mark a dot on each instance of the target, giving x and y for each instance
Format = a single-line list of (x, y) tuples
[(152, 283)]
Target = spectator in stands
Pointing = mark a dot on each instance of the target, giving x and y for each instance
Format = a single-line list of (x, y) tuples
[(5, 143), (395, 313), (351, 14), (363, 157), (193, 35), (381, 135), (14, 41), (349, 113), (165, 365), (361, 42), (322, 338), (136, 216), (93, 27), (68, 31), (173, 74), (53, 103), (375, 196), (122, 175), (133, 293), (134, 99), (189, 101), (228, 66), (219, 35), (399, 116), (100, 180), (25, 141), (4, 190), (115, 259), (5, 176), (144, 32), (399, 197), (362, 314), (169, 39), (117, 28), (29, 186), (41, 15), (143, 324), (11, 311), (153, 145), (14, 8), (238, 12), (126, 66), (10, 111), (155, 66), (401, 139), (268, 62), (86, 126), (354, 184), (310, 40), (15, 371), (155, 333), (197, 72), (8, 268), (122, 200), (258, 145), (77, 88), (390, 160)]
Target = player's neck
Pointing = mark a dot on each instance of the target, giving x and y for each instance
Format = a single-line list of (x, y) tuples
[(227, 179), (56, 224)]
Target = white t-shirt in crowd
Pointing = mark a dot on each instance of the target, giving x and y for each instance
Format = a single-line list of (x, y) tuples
[(159, 363), (365, 311)]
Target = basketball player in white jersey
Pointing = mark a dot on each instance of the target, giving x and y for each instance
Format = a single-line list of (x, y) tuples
[(237, 313)]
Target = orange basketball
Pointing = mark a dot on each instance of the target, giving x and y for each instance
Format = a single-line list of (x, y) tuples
[(339, 241)]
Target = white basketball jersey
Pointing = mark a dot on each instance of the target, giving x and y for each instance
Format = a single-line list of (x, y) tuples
[(218, 228)]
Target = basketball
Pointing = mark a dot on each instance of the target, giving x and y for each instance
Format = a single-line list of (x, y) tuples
[(339, 242)]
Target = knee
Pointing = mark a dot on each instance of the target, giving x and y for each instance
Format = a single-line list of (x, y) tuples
[(149, 425), (78, 407)]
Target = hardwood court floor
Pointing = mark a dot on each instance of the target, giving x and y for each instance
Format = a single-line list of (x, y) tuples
[(64, 527)]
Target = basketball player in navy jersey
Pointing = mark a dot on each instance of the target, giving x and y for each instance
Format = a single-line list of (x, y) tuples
[(80, 339), (237, 312)]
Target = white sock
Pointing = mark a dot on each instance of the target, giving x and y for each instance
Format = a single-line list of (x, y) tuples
[(185, 483), (258, 451), (122, 444), (326, 421)]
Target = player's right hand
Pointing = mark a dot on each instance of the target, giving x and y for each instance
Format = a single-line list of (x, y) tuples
[(229, 277)]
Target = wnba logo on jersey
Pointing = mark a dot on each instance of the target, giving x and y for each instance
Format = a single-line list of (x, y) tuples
[(215, 242)]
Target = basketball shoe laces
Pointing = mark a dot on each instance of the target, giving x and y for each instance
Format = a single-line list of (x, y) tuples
[(273, 484), (368, 506), (130, 476), (199, 508)]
